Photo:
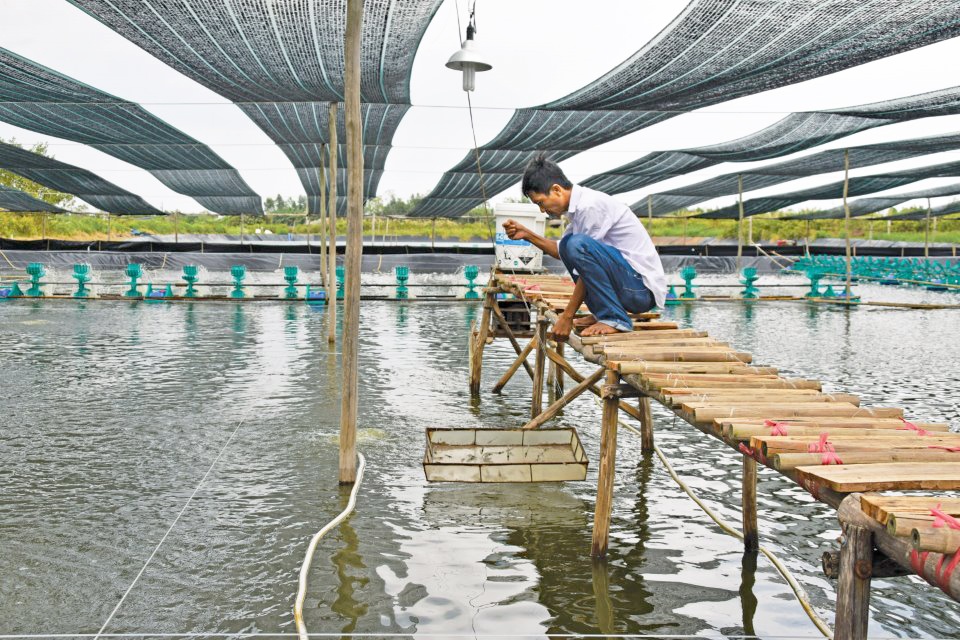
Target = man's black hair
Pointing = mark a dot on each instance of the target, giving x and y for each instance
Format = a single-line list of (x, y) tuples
[(540, 174)]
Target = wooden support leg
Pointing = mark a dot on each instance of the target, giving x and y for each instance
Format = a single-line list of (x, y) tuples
[(555, 408), (576, 377), (608, 458), (853, 590), (646, 425), (551, 381), (751, 536), (505, 326), (558, 381), (536, 407), (521, 359), (476, 364)]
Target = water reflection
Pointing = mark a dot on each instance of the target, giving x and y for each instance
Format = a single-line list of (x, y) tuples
[(748, 600), (351, 572)]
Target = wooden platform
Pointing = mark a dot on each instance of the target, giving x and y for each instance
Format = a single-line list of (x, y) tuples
[(832, 444)]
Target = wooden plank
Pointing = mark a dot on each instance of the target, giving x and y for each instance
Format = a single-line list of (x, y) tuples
[(682, 354), (898, 476), (707, 412), (637, 345), (788, 461), (626, 367), (851, 442), (734, 431), (642, 336), (880, 507), (720, 381), (677, 397)]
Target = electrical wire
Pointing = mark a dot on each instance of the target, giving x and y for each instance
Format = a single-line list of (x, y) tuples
[(312, 547)]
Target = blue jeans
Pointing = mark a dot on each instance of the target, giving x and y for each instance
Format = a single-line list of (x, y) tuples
[(613, 288)]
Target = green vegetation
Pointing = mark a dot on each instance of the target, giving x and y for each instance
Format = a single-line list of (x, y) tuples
[(386, 215)]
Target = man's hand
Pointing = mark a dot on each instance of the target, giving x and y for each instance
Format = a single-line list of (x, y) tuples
[(562, 328), (516, 231)]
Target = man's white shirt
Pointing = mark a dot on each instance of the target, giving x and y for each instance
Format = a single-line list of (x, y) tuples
[(606, 220)]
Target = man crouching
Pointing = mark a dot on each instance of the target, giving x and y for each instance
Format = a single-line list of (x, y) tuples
[(604, 247)]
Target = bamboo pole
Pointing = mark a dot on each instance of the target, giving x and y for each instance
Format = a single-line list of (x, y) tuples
[(751, 535), (536, 406), (926, 233), (646, 425), (479, 341), (241, 228), (109, 227), (43, 226), (650, 215), (521, 360), (608, 456), (846, 217), (558, 377), (740, 222), (354, 250), (433, 235), (324, 274), (332, 233), (176, 227)]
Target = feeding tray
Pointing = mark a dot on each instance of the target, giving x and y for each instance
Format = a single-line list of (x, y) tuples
[(504, 455)]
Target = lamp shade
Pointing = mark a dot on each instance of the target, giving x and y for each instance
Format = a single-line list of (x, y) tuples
[(468, 60)]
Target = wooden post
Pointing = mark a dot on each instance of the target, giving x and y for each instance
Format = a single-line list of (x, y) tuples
[(332, 232), (606, 470), (43, 226), (241, 228), (176, 227), (536, 406), (650, 215), (558, 372), (354, 250), (853, 588), (324, 275), (740, 222), (479, 342), (109, 227), (685, 231), (751, 535), (646, 425), (433, 235), (846, 217), (926, 233)]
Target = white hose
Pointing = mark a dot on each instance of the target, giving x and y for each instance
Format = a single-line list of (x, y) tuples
[(305, 568)]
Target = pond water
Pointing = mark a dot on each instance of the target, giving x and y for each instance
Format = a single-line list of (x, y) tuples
[(200, 440)]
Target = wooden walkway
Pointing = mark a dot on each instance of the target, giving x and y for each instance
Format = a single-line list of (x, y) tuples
[(843, 453)]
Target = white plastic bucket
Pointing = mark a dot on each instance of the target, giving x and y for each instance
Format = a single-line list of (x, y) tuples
[(519, 255)]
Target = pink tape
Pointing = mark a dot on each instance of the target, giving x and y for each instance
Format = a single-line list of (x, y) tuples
[(940, 446), (912, 427), (776, 428), (917, 560), (940, 519), (829, 453)]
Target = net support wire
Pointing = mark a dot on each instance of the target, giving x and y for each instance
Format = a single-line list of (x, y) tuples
[(312, 547)]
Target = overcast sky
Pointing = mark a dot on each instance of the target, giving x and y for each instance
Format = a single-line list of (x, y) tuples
[(540, 50)]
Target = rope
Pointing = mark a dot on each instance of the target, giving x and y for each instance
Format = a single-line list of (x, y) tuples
[(726, 528), (305, 568), (169, 529)]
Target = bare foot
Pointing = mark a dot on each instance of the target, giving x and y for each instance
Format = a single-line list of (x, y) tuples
[(598, 329), (584, 321)]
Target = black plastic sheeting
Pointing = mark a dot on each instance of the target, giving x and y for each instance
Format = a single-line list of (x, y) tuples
[(202, 251)]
